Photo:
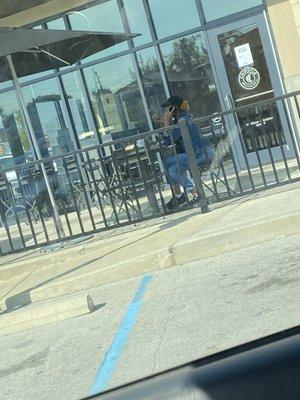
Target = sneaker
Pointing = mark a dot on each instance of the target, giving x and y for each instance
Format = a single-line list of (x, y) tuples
[(195, 201), (176, 202)]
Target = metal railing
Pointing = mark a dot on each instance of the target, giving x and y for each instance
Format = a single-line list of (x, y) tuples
[(125, 181)]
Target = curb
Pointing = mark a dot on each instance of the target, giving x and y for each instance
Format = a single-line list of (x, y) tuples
[(150, 262), (237, 238), (187, 251), (40, 314)]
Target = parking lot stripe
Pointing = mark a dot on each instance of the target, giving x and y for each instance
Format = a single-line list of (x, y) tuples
[(113, 355)]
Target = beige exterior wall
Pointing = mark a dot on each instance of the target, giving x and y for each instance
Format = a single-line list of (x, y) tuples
[(52, 7), (285, 21)]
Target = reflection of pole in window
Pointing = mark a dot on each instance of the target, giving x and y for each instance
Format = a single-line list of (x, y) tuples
[(82, 115), (99, 91)]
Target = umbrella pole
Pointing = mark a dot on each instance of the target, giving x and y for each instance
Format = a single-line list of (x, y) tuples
[(28, 124)]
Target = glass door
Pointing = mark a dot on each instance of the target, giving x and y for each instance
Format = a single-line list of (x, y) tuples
[(247, 73)]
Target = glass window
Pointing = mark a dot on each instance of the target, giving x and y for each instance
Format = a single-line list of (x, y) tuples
[(137, 21), (103, 17), (80, 111), (5, 75), (173, 16), (56, 24), (152, 83), (48, 118), (219, 8), (116, 98), (14, 143), (190, 75)]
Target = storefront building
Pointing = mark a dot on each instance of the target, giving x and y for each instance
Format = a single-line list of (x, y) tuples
[(217, 54)]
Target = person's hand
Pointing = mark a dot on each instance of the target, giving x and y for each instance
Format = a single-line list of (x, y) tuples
[(158, 119), (167, 117)]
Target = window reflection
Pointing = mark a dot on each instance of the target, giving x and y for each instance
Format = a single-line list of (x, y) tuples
[(190, 75), (116, 98), (104, 17), (152, 83), (14, 143), (174, 16), (56, 24), (47, 114), (137, 21), (214, 9), (79, 109)]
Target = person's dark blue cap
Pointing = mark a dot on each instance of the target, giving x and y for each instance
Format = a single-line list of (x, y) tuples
[(175, 101)]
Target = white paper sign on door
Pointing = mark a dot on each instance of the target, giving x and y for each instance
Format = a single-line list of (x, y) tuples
[(243, 55)]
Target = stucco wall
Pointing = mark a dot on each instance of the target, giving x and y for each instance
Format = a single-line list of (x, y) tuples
[(285, 21)]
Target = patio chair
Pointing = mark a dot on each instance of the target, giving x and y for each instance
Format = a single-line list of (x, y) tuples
[(214, 171)]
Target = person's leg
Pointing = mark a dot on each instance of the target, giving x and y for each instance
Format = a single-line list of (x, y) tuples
[(177, 168), (178, 172), (204, 157)]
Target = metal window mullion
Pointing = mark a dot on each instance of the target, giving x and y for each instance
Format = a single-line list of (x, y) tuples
[(135, 63), (162, 70), (156, 47), (67, 109), (200, 12), (90, 107)]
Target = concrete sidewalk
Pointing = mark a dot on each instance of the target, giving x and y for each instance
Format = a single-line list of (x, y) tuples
[(150, 246)]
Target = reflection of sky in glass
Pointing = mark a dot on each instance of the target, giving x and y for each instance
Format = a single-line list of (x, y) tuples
[(219, 8), (56, 24), (113, 74), (137, 21), (174, 16), (8, 103), (104, 17), (4, 85)]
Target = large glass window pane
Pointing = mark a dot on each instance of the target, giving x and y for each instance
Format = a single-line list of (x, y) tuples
[(152, 83), (116, 98), (219, 8), (80, 111), (14, 143), (190, 75), (48, 118), (137, 21), (56, 24), (173, 16), (103, 17)]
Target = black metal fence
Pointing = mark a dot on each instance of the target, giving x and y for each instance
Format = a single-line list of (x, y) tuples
[(129, 180)]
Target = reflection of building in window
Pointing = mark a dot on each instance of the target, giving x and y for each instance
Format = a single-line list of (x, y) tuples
[(106, 105)]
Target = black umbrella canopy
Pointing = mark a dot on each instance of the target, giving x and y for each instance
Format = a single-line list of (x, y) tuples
[(36, 50)]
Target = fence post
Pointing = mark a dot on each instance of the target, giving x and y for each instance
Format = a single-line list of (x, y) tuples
[(194, 169)]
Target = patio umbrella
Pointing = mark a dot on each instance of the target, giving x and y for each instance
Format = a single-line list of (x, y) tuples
[(37, 50), (28, 51)]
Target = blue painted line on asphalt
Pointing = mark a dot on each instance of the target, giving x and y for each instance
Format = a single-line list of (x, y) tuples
[(112, 357)]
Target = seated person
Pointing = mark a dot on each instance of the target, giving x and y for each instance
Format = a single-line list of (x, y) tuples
[(177, 165)]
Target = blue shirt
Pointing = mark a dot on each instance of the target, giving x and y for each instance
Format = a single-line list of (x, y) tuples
[(198, 142)]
